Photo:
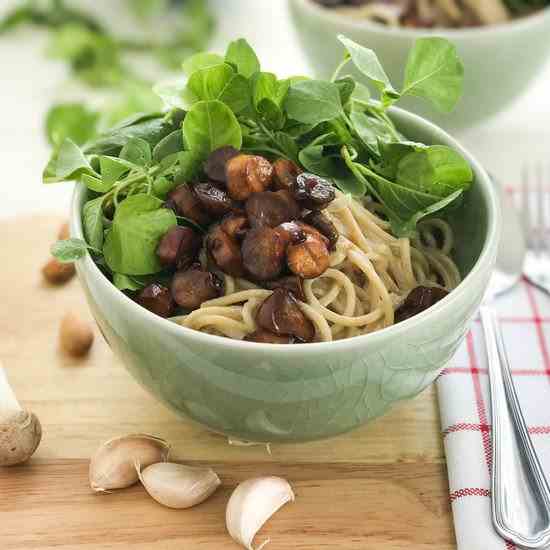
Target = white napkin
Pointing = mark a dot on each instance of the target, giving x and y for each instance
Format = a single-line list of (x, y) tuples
[(465, 410)]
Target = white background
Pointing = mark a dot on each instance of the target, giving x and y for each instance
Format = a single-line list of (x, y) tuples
[(29, 83)]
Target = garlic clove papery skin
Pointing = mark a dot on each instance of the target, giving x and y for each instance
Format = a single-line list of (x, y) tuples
[(113, 465), (179, 486), (20, 435), (252, 503)]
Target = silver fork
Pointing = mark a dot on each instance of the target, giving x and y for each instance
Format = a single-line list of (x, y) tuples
[(536, 226), (520, 490)]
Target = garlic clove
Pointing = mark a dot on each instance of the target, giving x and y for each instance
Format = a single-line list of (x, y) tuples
[(179, 486), (252, 503), (113, 465)]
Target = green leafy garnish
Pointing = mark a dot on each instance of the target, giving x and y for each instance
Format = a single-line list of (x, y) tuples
[(67, 163), (131, 243), (340, 129), (313, 101), (434, 72), (242, 57), (210, 125), (70, 250), (71, 120)]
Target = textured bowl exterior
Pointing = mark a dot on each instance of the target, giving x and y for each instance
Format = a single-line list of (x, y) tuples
[(269, 393), (500, 61)]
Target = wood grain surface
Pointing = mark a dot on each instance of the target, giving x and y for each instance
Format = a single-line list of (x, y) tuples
[(382, 487)]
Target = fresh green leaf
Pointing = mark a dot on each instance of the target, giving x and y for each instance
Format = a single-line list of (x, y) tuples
[(434, 72), (210, 125), (92, 221), (361, 93), (162, 186), (331, 166), (287, 145), (346, 87), (313, 101), (135, 119), (71, 120), (368, 63), (268, 95), (174, 94), (403, 202), (391, 154), (172, 143), (241, 55), (371, 130), (189, 166), (67, 163), (125, 282), (339, 127), (408, 228), (209, 83), (138, 225), (437, 170), (69, 250), (95, 184), (112, 169), (168, 165), (237, 95), (151, 128), (137, 151), (199, 61)]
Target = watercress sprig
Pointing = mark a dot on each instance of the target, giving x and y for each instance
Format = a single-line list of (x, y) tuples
[(340, 129)]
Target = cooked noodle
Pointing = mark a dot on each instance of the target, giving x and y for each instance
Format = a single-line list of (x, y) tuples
[(371, 272)]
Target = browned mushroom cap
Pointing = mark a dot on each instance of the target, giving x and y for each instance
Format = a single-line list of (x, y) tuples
[(225, 251), (187, 204), (293, 231), (214, 167), (213, 200), (271, 208), (156, 298), (247, 174), (285, 173), (263, 252), (192, 287), (235, 225), (310, 258), (292, 283), (265, 337), (179, 246), (322, 223), (419, 299), (281, 314), (313, 192)]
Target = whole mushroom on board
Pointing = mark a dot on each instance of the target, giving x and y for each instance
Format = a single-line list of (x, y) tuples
[(20, 430)]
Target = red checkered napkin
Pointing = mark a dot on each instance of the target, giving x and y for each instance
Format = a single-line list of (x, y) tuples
[(465, 410)]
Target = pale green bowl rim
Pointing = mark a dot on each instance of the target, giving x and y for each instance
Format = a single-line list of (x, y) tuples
[(520, 24), (87, 268)]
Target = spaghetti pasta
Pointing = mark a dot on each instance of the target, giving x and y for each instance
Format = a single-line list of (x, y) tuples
[(371, 273)]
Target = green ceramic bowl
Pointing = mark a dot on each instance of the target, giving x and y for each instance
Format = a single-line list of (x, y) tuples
[(270, 393), (500, 61)]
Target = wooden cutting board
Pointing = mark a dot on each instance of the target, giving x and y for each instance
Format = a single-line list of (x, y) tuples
[(382, 487)]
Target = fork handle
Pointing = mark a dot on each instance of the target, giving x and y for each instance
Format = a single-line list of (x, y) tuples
[(520, 491)]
